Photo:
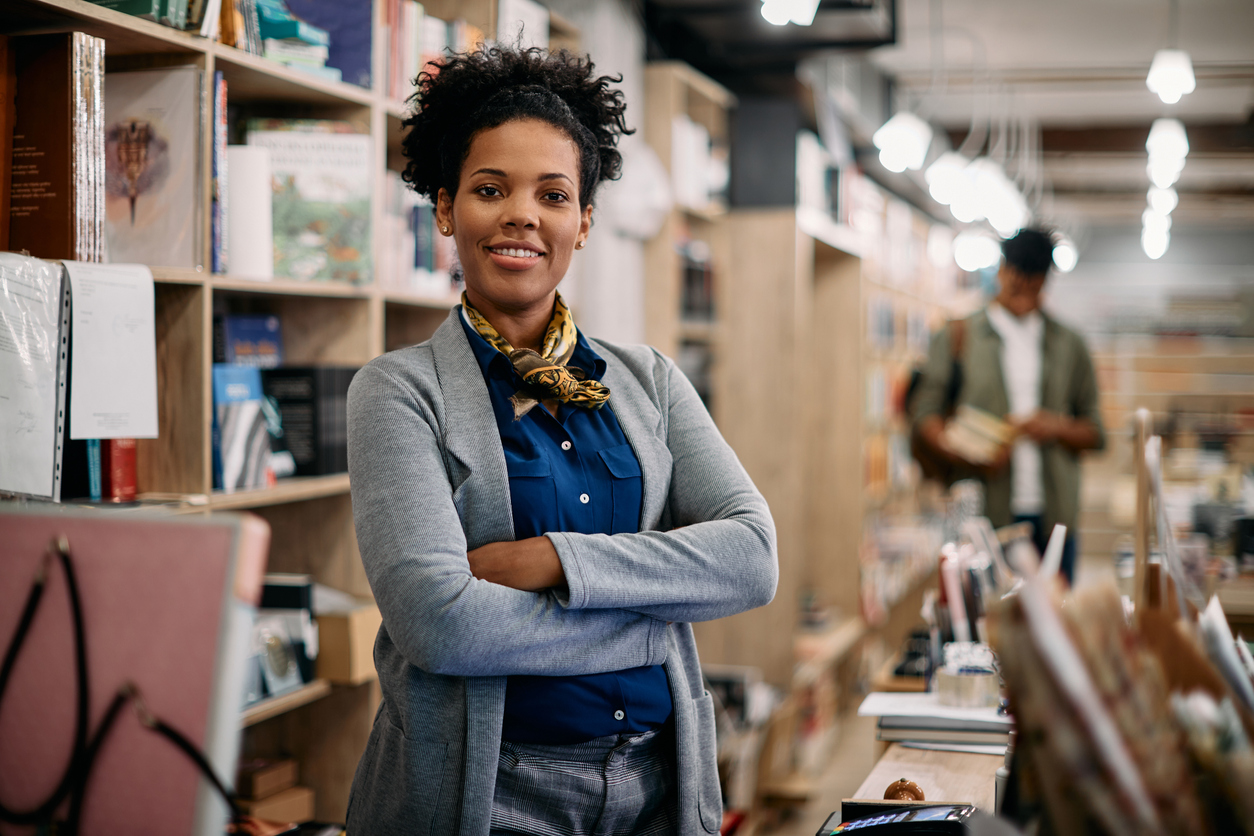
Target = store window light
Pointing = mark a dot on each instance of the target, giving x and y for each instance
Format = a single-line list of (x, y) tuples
[(783, 12), (903, 142), (1171, 75)]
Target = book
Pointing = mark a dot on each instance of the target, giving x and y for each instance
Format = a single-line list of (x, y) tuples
[(56, 190), (241, 437), (313, 412), (118, 469), (350, 30), (275, 21), (34, 323), (292, 50), (249, 340), (147, 9), (322, 177), (8, 114), (152, 171), (968, 736), (220, 253)]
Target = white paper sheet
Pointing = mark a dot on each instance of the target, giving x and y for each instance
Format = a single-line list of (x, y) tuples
[(113, 376), (971, 748), (892, 704), (30, 320)]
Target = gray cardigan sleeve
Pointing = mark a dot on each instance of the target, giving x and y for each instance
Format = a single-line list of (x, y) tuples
[(720, 557), (441, 618)]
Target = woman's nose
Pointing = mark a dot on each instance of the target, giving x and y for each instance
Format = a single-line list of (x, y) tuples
[(520, 211)]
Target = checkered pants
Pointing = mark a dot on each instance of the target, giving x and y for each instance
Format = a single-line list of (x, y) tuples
[(620, 785)]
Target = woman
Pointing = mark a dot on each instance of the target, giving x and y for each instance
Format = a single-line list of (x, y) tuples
[(540, 514)]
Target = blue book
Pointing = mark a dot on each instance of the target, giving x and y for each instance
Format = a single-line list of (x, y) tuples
[(350, 30), (241, 436), (252, 340), (276, 21)]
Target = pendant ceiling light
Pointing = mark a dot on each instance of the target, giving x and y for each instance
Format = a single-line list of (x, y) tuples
[(903, 142), (1171, 75), (783, 12), (1171, 71)]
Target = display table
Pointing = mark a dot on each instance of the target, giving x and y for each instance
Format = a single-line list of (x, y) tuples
[(955, 777)]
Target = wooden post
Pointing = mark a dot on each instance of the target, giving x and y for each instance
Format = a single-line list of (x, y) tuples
[(1140, 534)]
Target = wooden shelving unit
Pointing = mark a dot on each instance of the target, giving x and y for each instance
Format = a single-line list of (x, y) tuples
[(328, 323)]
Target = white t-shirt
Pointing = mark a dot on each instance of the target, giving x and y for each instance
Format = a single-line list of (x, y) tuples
[(1021, 369)]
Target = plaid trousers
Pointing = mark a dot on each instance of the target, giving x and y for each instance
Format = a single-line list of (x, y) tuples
[(620, 785)]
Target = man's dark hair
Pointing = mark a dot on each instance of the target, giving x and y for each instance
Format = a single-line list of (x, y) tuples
[(1030, 251), (475, 91)]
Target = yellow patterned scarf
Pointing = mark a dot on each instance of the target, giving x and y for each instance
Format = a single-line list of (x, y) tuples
[(545, 372)]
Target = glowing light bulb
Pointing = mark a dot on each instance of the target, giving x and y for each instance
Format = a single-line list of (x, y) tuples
[(1171, 75)]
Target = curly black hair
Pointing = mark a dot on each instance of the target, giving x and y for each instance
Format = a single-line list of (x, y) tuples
[(474, 91), (1030, 251)]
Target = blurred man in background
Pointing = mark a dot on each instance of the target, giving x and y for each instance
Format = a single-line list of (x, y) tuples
[(1013, 361)]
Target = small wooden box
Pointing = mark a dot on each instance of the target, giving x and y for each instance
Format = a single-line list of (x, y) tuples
[(294, 804), (262, 778), (346, 645)]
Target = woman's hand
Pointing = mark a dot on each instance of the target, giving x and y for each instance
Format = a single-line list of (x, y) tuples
[(529, 565)]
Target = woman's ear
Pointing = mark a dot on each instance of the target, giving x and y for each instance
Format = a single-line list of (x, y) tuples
[(444, 212), (585, 225)]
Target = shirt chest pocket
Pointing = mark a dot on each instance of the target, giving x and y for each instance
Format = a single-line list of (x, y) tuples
[(626, 486), (533, 495)]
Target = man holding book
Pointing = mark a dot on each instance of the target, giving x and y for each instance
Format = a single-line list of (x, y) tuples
[(1012, 360)]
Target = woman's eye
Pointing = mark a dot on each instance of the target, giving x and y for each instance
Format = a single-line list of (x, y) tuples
[(488, 191), (556, 197)]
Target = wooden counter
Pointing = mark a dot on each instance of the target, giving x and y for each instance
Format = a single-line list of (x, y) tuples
[(955, 777)]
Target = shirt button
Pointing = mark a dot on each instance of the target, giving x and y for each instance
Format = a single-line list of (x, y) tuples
[(618, 715), (565, 445), (584, 498)]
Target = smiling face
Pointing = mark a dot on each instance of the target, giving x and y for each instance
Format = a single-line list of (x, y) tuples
[(516, 219)]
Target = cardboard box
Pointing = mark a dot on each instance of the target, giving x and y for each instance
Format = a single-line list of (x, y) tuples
[(294, 804), (346, 645), (263, 777)]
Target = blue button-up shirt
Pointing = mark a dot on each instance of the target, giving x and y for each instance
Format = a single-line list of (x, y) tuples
[(575, 472)]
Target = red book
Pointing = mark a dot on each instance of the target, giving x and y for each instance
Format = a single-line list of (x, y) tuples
[(117, 463)]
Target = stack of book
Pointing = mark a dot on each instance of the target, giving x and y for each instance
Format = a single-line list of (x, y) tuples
[(413, 258), (920, 720), (198, 16), (293, 42), (413, 38), (976, 435)]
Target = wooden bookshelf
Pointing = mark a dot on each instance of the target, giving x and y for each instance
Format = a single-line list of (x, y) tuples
[(323, 323), (283, 703)]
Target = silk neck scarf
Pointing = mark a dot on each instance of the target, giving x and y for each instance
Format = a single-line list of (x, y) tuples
[(544, 373)]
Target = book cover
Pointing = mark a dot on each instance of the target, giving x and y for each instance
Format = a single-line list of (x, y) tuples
[(313, 410), (350, 30), (275, 21), (252, 340), (151, 170), (56, 205), (321, 175), (241, 437)]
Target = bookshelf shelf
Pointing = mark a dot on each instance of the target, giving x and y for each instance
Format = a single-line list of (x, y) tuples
[(126, 35), (294, 489), (441, 304), (252, 78), (283, 703), (291, 287)]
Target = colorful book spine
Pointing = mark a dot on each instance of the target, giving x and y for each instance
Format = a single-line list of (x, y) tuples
[(221, 204)]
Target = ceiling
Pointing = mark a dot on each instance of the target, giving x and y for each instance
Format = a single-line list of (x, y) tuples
[(1075, 69)]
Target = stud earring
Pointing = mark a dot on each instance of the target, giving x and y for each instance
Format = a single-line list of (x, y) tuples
[(444, 229), (579, 245)]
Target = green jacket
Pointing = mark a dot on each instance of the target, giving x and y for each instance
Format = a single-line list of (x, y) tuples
[(1068, 386)]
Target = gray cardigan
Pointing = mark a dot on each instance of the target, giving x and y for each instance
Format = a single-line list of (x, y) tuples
[(429, 483)]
